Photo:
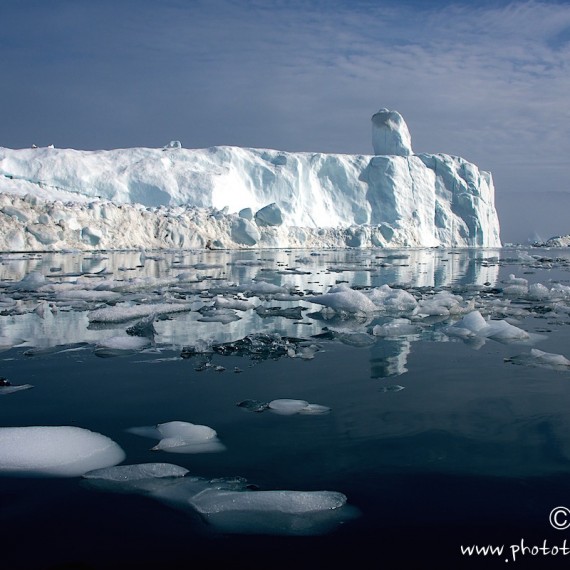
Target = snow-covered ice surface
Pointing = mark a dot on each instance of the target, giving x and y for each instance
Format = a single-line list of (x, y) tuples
[(329, 381), (229, 197)]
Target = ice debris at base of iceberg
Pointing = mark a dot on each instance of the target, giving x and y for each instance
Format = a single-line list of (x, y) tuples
[(231, 197), (181, 437), (59, 451), (541, 359), (230, 505)]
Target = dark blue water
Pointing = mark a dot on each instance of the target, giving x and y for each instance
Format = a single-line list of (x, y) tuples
[(474, 450)]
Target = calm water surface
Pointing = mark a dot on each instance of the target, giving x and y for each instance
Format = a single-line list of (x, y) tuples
[(436, 441)]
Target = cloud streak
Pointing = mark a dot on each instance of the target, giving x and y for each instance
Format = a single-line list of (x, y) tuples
[(489, 82)]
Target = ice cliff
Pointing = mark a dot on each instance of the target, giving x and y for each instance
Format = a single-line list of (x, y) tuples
[(234, 197)]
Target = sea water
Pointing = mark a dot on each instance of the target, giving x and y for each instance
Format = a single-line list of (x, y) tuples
[(440, 438)]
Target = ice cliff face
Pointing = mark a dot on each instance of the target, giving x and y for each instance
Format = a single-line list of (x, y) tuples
[(175, 197)]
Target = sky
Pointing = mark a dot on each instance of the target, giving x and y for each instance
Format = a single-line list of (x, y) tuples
[(487, 80)]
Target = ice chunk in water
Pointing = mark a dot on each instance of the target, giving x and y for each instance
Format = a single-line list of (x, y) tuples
[(342, 298), (213, 501), (287, 407), (137, 472), (542, 359), (121, 344), (473, 321), (502, 330), (228, 504), (182, 437), (60, 451), (498, 330), (272, 512), (8, 389)]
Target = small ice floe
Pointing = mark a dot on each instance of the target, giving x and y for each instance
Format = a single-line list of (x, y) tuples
[(136, 472), (395, 328), (294, 313), (236, 304), (258, 346), (541, 359), (261, 288), (443, 304), (394, 300), (124, 313), (223, 316), (231, 505), (181, 437), (253, 405), (121, 345), (342, 298), (289, 407), (304, 351), (284, 407), (473, 324), (515, 286), (59, 451), (6, 387)]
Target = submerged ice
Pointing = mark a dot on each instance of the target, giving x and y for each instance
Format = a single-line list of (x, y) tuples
[(230, 505)]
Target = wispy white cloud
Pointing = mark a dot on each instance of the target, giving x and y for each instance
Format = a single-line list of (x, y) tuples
[(488, 80)]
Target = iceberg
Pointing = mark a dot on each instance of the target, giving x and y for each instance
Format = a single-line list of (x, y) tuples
[(234, 197)]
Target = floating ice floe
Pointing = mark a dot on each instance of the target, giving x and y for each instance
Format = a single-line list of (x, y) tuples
[(398, 300), (122, 313), (284, 407), (236, 304), (213, 315), (342, 298), (7, 388), (473, 324), (121, 344), (60, 451), (229, 505), (289, 407), (443, 304), (181, 437), (541, 359), (129, 473)]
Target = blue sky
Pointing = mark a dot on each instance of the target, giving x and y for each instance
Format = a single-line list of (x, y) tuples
[(487, 80)]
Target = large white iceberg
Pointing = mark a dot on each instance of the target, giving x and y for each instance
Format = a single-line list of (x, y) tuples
[(175, 197)]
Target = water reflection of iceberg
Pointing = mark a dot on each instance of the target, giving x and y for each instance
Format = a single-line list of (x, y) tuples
[(389, 358)]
